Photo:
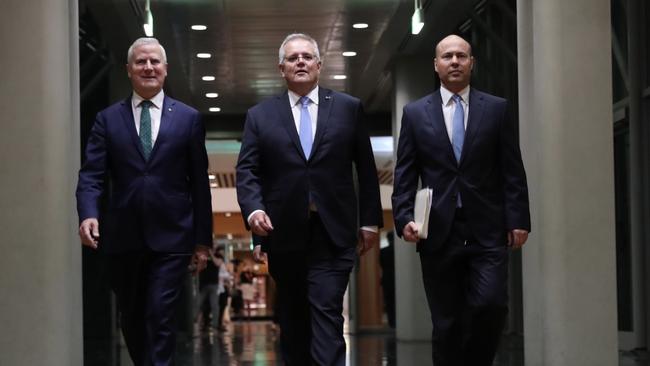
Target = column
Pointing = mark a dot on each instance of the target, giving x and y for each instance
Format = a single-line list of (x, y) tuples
[(565, 98), (414, 78), (40, 279)]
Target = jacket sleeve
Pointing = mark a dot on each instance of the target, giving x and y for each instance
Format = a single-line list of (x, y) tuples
[(406, 175), (92, 175)]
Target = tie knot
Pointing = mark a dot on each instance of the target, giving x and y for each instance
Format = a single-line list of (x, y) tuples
[(304, 101), (456, 98), (146, 104)]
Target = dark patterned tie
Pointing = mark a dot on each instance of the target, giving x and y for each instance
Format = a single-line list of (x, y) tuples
[(145, 128)]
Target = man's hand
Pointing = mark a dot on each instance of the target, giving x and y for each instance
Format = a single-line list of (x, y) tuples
[(517, 238), (410, 232), (258, 255), (367, 240), (200, 258), (89, 232), (260, 224)]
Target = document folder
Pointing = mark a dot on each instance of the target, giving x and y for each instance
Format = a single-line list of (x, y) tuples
[(423, 200)]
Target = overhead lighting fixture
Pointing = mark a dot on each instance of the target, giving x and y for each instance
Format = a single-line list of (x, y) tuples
[(417, 20), (199, 27), (214, 185), (340, 77), (360, 25), (211, 95), (212, 176), (215, 109), (148, 25), (349, 53), (229, 236), (228, 214), (203, 55), (208, 78)]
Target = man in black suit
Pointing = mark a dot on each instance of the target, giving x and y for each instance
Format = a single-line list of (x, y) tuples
[(296, 189), (463, 144), (146, 155)]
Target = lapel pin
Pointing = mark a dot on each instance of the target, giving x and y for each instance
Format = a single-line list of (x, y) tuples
[(328, 97), (170, 109)]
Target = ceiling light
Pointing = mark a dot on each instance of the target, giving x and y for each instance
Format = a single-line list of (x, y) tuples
[(360, 25), (211, 95), (212, 176), (148, 15), (229, 236), (215, 109), (228, 214), (349, 53), (214, 185), (417, 20), (199, 27), (203, 55), (340, 77), (208, 78)]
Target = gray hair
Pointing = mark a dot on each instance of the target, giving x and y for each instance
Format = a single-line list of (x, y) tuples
[(145, 41), (293, 36)]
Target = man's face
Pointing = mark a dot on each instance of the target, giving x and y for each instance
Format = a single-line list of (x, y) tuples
[(454, 63), (147, 70), (300, 67)]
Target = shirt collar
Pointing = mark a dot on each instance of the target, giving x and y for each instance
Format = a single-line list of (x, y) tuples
[(446, 95), (157, 100), (295, 98)]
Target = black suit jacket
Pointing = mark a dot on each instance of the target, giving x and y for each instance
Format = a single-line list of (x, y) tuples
[(490, 175), (273, 174), (162, 203)]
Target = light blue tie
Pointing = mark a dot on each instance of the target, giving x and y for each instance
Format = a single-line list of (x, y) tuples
[(458, 127), (145, 128), (304, 129), (458, 133)]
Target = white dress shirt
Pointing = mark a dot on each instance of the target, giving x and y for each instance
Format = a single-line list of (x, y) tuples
[(296, 108), (155, 112), (449, 107)]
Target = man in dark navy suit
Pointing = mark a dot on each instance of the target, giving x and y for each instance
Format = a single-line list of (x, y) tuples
[(146, 156), (463, 144), (296, 188)]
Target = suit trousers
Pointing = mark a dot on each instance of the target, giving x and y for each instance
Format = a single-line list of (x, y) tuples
[(311, 284), (147, 286), (466, 288)]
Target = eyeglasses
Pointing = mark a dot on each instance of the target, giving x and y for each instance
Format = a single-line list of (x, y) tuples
[(305, 57)]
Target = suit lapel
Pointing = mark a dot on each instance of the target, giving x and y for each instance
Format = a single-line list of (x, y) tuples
[(437, 122), (476, 108), (166, 118), (325, 101), (286, 119), (129, 124)]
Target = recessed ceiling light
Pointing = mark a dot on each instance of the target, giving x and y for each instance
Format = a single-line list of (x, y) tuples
[(212, 176), (203, 55), (349, 53), (215, 109), (199, 27), (228, 214), (360, 25), (214, 185), (340, 77), (211, 95), (208, 78)]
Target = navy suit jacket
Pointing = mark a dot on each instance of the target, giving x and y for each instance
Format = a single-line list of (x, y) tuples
[(162, 203), (490, 176), (273, 174)]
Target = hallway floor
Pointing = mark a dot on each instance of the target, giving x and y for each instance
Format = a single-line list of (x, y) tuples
[(256, 343)]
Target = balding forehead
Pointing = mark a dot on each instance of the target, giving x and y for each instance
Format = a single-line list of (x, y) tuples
[(451, 38)]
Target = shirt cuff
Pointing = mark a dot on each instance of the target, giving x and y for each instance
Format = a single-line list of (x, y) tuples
[(248, 220), (373, 229)]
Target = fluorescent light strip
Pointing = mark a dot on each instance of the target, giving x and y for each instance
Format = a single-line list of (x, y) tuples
[(208, 78), (199, 27), (349, 53), (211, 95), (203, 55), (340, 77), (360, 25), (215, 109)]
